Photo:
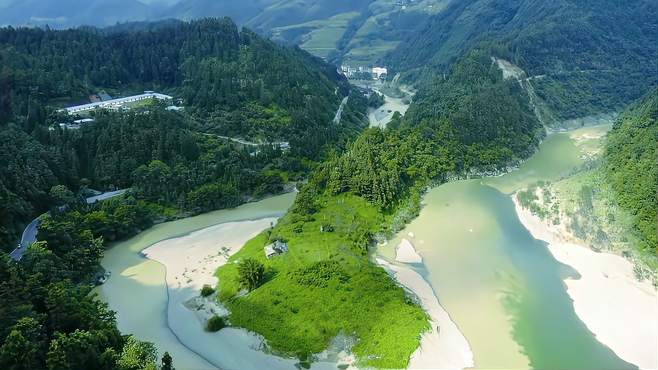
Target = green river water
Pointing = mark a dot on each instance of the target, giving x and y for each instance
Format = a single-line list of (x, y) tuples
[(500, 285), (137, 291)]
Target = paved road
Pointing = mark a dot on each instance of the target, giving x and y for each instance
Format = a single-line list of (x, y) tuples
[(29, 236), (280, 144), (30, 233), (339, 112)]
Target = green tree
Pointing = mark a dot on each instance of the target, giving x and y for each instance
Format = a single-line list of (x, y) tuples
[(18, 352), (167, 362), (138, 355), (215, 323), (251, 273), (62, 196), (73, 351)]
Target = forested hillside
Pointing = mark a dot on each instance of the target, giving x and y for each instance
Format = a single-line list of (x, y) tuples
[(232, 83), (602, 59), (176, 163), (209, 63), (631, 168), (491, 117), (474, 122)]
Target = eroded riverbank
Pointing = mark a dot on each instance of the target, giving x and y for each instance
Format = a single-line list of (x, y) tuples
[(621, 311), (503, 288)]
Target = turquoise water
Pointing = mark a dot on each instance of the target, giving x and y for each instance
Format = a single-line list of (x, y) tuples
[(137, 291), (501, 286)]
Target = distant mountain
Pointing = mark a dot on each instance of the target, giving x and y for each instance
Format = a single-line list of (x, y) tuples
[(240, 11), (291, 12), (583, 57), (70, 13), (358, 32)]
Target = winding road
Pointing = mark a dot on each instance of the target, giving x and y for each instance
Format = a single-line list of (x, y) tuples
[(30, 233)]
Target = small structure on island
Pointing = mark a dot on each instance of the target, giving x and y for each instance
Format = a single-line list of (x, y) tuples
[(275, 249)]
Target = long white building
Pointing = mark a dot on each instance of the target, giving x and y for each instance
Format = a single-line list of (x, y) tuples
[(117, 103)]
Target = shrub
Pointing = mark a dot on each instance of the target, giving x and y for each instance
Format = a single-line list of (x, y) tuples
[(207, 290), (251, 273), (319, 274), (215, 323)]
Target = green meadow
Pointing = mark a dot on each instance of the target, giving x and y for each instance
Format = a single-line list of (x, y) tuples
[(326, 286)]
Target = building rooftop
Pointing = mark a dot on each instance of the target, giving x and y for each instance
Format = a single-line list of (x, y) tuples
[(116, 103)]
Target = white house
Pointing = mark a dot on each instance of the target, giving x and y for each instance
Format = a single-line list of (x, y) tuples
[(275, 249), (378, 72), (116, 103)]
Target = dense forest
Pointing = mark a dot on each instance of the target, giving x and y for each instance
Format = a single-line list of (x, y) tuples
[(599, 61), (363, 185), (175, 163), (491, 117), (232, 83), (631, 168), (216, 69)]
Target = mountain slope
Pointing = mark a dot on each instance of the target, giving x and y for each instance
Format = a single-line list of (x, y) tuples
[(239, 10), (600, 60), (631, 168), (70, 13), (233, 83)]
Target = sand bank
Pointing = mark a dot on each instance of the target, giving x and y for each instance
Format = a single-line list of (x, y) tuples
[(190, 262), (444, 346), (619, 310), (406, 253), (381, 116)]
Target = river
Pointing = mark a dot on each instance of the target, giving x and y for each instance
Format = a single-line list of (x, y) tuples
[(137, 291), (502, 287)]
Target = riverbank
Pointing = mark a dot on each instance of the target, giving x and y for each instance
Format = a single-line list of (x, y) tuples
[(619, 310), (443, 346), (133, 275), (190, 262)]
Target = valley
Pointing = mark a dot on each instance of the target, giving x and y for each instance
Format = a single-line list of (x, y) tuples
[(313, 184)]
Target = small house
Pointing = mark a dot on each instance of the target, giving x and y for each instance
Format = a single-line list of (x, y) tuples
[(275, 249)]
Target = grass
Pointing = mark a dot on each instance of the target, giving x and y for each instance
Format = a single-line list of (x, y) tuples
[(324, 34), (325, 286), (368, 52)]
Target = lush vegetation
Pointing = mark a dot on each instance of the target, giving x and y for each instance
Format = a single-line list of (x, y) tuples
[(375, 100), (492, 117), (251, 273), (207, 290), (232, 83), (215, 323), (631, 168), (236, 83), (602, 59), (176, 163), (326, 285), (49, 319)]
